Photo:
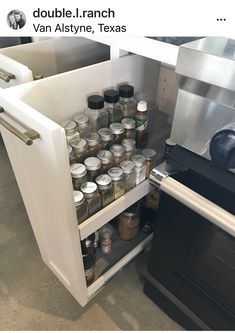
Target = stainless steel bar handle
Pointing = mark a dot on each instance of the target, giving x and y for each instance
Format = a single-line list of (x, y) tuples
[(27, 137), (5, 76), (194, 201)]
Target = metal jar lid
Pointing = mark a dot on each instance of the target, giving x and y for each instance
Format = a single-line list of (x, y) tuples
[(69, 126), (116, 173), (81, 120), (117, 128), (92, 163), (78, 198), (79, 145), (128, 123), (78, 170), (104, 182), (149, 154), (170, 143), (117, 150), (127, 166), (89, 189), (92, 139), (105, 134), (129, 144), (70, 151), (139, 160), (105, 156)]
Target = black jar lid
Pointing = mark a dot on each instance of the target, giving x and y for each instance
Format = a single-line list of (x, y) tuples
[(111, 96), (95, 102), (126, 90)]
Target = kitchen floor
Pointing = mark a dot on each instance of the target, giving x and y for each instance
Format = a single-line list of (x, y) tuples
[(32, 298)]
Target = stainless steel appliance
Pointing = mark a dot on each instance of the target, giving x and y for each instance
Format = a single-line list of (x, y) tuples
[(191, 269)]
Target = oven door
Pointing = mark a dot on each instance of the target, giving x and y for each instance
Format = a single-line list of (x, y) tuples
[(193, 252)]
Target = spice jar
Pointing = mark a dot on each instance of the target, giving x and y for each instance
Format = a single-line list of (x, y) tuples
[(118, 132), (129, 126), (130, 148), (127, 101), (79, 175), (70, 128), (117, 176), (106, 137), (112, 106), (128, 168), (141, 122), (97, 115), (119, 154), (80, 148), (92, 196), (93, 141), (89, 258), (129, 224), (106, 238), (140, 167), (106, 159), (169, 145), (81, 207), (149, 155), (106, 189), (72, 157), (93, 166), (83, 126)]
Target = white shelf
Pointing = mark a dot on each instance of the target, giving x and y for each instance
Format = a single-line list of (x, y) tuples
[(115, 208)]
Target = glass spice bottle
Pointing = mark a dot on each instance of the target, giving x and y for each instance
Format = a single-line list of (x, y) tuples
[(81, 207), (118, 132), (141, 122), (106, 189), (106, 159), (80, 148), (70, 128), (127, 101), (129, 126), (149, 155), (117, 176), (129, 145), (82, 122), (94, 145), (89, 258), (106, 238), (93, 166), (72, 157), (93, 198), (97, 115), (129, 223), (79, 175), (119, 154), (128, 168), (112, 106), (106, 137), (140, 167)]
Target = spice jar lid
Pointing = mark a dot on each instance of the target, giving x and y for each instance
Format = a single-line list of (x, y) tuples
[(142, 106), (92, 139), (105, 134), (78, 170), (89, 189), (149, 154), (92, 163), (81, 119), (95, 102), (116, 173), (128, 123), (103, 181), (127, 166), (111, 96), (139, 160), (70, 150), (126, 91), (105, 156), (117, 150), (69, 126), (131, 211), (170, 143), (128, 143), (117, 128), (78, 198), (78, 144)]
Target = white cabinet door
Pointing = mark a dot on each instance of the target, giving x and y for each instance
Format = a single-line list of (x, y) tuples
[(43, 175)]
